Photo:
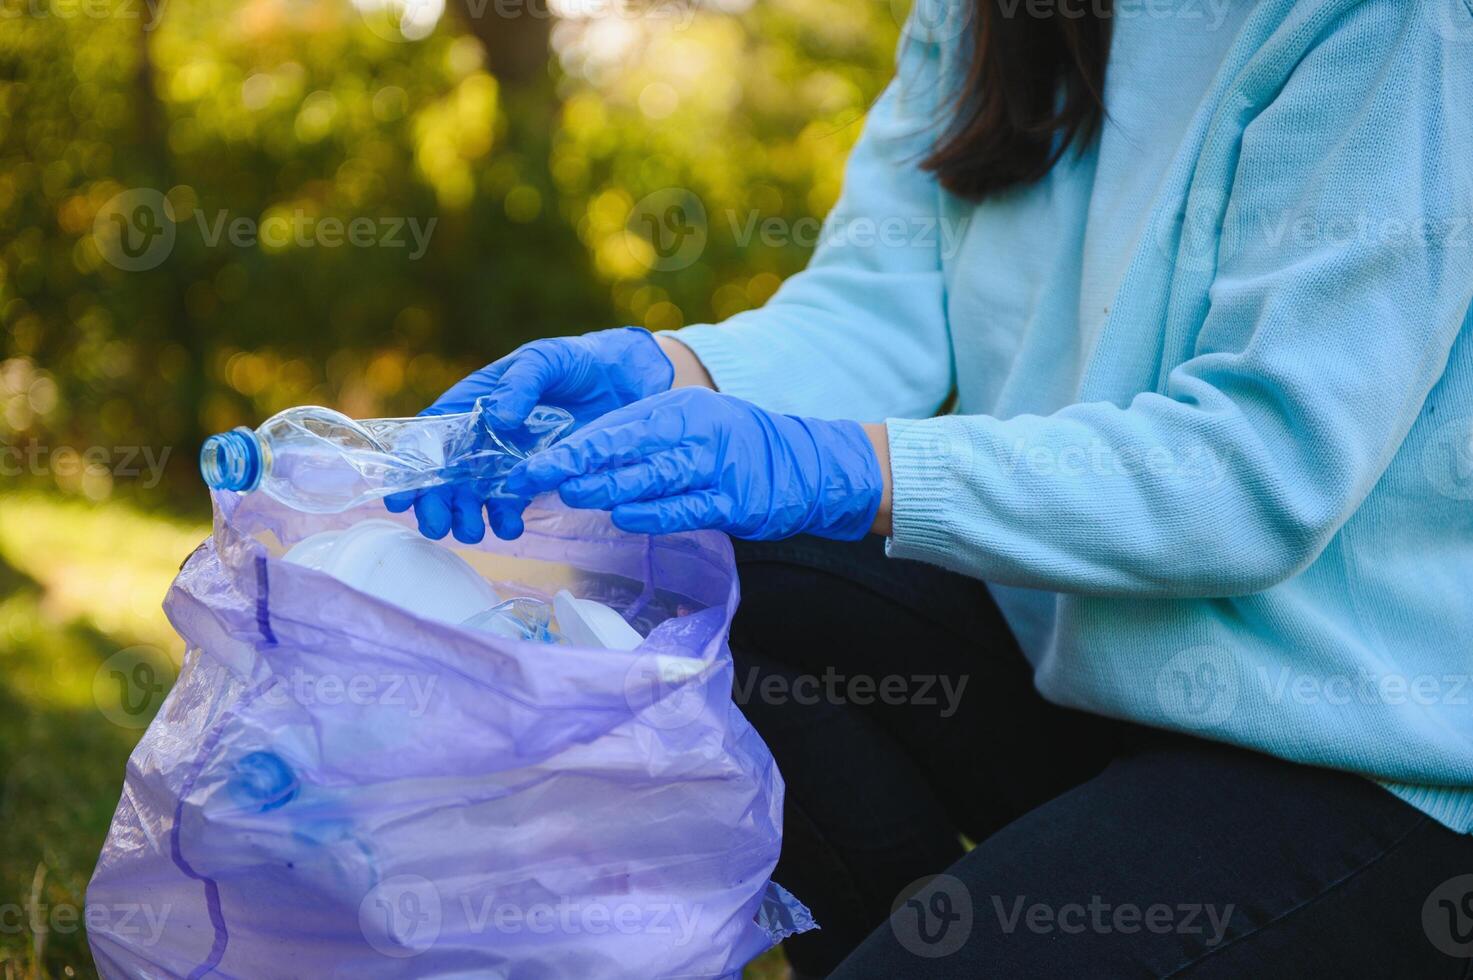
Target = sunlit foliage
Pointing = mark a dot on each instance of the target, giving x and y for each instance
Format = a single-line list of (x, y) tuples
[(488, 213)]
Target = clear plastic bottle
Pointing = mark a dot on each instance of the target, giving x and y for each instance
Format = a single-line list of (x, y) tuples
[(517, 618), (320, 461)]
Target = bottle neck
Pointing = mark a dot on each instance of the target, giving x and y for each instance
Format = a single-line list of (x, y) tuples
[(232, 460)]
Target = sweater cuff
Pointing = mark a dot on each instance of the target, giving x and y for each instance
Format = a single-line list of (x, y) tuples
[(1451, 806), (921, 507)]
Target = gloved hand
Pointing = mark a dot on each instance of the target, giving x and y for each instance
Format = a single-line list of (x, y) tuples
[(457, 507), (587, 376), (692, 458)]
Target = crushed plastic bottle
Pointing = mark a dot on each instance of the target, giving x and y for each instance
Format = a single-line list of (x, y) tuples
[(319, 461), (518, 618), (292, 846)]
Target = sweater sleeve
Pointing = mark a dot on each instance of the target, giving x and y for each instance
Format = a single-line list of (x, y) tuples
[(1344, 273), (861, 332)]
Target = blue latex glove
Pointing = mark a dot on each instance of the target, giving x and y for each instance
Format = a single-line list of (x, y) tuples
[(692, 458), (588, 376)]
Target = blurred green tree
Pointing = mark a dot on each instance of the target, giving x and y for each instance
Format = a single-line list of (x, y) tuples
[(354, 201)]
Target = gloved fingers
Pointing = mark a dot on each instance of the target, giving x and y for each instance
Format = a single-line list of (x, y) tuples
[(528, 374), (602, 444), (398, 503), (661, 475), (504, 514), (432, 511), (465, 514), (685, 512), (462, 395)]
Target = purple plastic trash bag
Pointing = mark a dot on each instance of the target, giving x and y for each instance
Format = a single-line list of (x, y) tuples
[(336, 787)]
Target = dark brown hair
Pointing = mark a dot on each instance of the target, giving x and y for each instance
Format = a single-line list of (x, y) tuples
[(1034, 86)]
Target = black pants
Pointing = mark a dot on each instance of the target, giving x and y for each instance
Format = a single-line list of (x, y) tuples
[(904, 718)]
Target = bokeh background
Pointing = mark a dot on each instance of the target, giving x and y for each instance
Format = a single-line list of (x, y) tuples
[(171, 175)]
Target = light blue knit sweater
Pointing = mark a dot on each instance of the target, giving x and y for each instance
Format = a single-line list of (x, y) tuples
[(1212, 443)]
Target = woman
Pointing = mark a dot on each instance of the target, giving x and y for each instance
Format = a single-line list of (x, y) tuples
[(1192, 549)]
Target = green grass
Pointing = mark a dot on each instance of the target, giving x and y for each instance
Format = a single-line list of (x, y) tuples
[(78, 584)]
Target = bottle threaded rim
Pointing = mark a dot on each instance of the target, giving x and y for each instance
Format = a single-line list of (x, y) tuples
[(231, 460)]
